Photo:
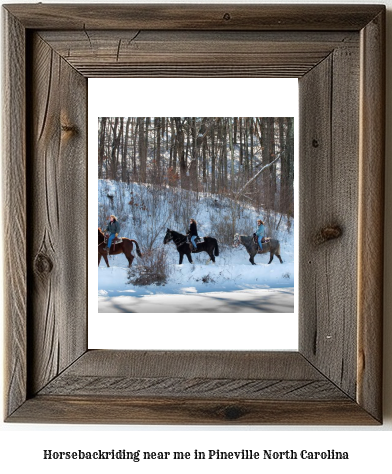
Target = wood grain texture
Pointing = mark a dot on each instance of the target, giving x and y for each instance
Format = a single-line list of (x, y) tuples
[(206, 374), (208, 364), (371, 215), (335, 378), (103, 409), (193, 387), (57, 247), (195, 53), (14, 208), (194, 17), (329, 98), (188, 387)]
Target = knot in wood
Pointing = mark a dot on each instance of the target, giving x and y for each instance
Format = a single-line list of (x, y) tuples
[(315, 143), (227, 16), (232, 413), (43, 264), (328, 233), (71, 129)]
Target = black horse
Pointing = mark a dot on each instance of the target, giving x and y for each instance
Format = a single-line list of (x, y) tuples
[(210, 245)]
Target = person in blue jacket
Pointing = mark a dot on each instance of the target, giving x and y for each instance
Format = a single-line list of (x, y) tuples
[(113, 229), (260, 232)]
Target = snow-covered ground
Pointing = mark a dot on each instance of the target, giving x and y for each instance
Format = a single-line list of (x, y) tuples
[(244, 301), (228, 274), (232, 284), (226, 286)]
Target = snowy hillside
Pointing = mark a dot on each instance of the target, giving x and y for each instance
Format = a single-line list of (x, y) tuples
[(145, 212)]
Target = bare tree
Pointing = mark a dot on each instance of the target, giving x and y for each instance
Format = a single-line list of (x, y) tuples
[(221, 155)]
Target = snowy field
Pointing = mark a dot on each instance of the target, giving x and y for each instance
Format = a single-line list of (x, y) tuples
[(232, 284), (244, 301)]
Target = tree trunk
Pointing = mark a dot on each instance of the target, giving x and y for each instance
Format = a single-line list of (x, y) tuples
[(224, 158), (101, 146), (124, 160), (213, 159), (115, 145), (158, 151), (231, 145), (142, 151), (290, 164), (272, 169), (180, 141)]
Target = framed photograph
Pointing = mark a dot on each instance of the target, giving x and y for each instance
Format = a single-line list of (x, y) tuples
[(153, 173), (337, 54)]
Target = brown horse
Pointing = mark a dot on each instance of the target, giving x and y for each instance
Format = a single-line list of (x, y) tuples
[(125, 247)]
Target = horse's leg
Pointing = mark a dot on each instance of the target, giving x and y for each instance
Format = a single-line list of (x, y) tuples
[(189, 257), (127, 251), (99, 258), (211, 254), (280, 258), (106, 259), (271, 257), (181, 257), (251, 259)]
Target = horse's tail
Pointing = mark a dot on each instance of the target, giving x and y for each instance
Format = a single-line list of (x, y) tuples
[(277, 248), (216, 248), (137, 248)]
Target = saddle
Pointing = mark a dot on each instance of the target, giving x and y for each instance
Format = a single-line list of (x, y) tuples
[(264, 240), (188, 239), (116, 240), (197, 240)]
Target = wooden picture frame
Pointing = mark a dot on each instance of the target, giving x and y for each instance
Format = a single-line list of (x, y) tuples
[(338, 54)]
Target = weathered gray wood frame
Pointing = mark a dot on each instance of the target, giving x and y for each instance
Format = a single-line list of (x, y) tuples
[(337, 52)]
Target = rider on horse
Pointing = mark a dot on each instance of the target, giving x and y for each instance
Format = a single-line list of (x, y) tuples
[(192, 232), (113, 229), (260, 232)]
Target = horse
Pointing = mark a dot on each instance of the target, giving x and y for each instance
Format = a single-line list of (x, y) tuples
[(272, 246), (210, 245), (125, 247)]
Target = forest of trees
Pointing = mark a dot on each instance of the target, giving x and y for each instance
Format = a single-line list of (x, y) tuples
[(246, 158)]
